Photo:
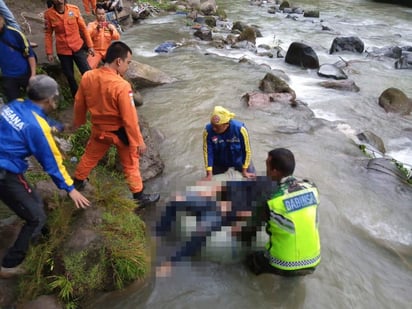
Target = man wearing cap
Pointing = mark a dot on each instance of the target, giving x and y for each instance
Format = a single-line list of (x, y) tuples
[(226, 144), (26, 131), (17, 61)]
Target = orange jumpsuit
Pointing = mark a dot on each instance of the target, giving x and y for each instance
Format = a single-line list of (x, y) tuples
[(89, 4), (101, 37), (66, 28), (109, 100)]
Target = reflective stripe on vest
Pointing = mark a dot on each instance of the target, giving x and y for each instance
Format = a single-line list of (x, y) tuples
[(294, 237)]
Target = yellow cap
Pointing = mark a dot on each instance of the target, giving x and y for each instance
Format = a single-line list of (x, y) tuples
[(221, 115)]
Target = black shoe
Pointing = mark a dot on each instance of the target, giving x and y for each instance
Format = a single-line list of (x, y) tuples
[(78, 184), (144, 199)]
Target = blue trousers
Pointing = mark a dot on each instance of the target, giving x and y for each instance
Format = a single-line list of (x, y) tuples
[(208, 220)]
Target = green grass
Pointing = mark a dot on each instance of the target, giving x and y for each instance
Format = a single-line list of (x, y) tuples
[(117, 259)]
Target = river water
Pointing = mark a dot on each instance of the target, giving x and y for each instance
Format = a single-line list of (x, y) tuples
[(365, 216)]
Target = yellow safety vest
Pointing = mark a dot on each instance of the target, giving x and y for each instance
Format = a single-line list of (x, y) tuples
[(293, 227)]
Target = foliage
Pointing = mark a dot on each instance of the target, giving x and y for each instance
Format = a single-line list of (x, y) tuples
[(119, 258), (407, 172), (79, 141), (399, 165)]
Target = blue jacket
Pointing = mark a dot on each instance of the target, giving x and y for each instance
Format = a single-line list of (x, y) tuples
[(229, 149), (25, 131), (15, 51)]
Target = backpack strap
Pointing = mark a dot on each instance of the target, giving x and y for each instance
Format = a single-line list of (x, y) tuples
[(26, 50)]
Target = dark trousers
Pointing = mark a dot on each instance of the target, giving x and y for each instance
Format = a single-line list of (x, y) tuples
[(208, 220), (13, 86), (20, 197), (66, 61)]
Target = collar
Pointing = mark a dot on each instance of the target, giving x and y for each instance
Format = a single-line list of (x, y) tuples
[(287, 179)]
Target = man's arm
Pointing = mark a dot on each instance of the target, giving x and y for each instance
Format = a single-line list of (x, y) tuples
[(130, 118), (248, 153), (8, 16), (85, 32), (80, 107), (48, 36), (207, 155), (32, 64)]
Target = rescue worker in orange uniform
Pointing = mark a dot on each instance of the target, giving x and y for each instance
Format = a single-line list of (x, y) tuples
[(102, 34), (66, 22), (109, 100), (89, 6)]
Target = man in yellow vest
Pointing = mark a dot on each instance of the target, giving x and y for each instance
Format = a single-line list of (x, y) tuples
[(291, 222)]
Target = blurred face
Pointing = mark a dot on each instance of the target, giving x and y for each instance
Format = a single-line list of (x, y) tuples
[(100, 15), (123, 65), (220, 128)]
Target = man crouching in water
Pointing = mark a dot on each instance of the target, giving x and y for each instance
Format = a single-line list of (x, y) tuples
[(293, 248)]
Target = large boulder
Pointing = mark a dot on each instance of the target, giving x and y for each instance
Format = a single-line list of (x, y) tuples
[(142, 75), (259, 99), (208, 7), (302, 55), (352, 44), (248, 34), (331, 71), (273, 84), (395, 101)]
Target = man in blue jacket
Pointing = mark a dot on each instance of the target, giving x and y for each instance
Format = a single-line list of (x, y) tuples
[(17, 61), (226, 144), (25, 131)]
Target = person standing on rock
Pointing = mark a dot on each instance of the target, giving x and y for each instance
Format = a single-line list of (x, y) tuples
[(26, 131), (102, 34), (114, 121), (226, 144), (66, 23)]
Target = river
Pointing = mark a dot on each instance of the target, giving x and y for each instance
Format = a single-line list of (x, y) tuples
[(365, 216)]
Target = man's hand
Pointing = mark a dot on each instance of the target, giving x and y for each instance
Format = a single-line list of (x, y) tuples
[(50, 58), (90, 51), (247, 174), (79, 200), (111, 27), (141, 149), (208, 176)]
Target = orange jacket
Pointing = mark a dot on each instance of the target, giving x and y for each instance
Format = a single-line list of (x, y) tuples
[(109, 99), (102, 37), (66, 28)]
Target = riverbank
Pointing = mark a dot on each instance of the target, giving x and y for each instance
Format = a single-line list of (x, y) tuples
[(101, 248)]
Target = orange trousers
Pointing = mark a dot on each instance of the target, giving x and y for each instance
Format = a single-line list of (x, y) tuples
[(89, 6), (97, 146)]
